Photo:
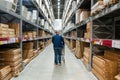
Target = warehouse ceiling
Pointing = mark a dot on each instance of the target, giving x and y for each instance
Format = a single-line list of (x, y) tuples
[(58, 7)]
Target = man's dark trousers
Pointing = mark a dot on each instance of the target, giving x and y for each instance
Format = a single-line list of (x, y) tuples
[(58, 53)]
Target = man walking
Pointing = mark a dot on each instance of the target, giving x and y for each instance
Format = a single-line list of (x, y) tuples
[(58, 44)]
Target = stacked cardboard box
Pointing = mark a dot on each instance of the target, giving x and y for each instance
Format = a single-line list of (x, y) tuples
[(41, 45), (16, 27), (13, 58), (73, 34), (87, 33), (30, 34), (86, 56), (104, 69), (97, 7), (27, 50), (3, 30), (42, 33), (5, 73), (11, 32), (84, 14), (114, 56), (79, 52)]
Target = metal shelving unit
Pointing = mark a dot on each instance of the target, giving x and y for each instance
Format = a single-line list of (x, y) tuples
[(8, 16), (104, 30)]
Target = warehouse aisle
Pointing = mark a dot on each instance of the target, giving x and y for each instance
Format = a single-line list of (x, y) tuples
[(43, 68)]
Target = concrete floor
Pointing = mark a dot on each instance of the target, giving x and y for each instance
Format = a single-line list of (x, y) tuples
[(43, 68)]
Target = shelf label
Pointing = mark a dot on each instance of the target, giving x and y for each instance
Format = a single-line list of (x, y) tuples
[(0, 42), (116, 44)]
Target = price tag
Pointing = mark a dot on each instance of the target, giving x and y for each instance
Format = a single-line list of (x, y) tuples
[(0, 42)]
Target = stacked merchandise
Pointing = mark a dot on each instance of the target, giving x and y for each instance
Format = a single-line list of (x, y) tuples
[(73, 45), (87, 33), (103, 68), (97, 7), (42, 33), (30, 15), (24, 11), (41, 45), (78, 52), (5, 73), (86, 56), (9, 4), (73, 34), (81, 15), (10, 30), (29, 34), (27, 50), (16, 27), (84, 14), (3, 30), (13, 58), (114, 56), (35, 53)]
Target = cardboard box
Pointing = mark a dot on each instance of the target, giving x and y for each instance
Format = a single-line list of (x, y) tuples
[(16, 27), (28, 45), (9, 52), (99, 5), (12, 63), (104, 67), (15, 68), (4, 71), (8, 77), (79, 53), (27, 54), (97, 74), (84, 15), (114, 56), (26, 61), (14, 58)]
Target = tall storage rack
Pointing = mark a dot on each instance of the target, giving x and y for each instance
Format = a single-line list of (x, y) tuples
[(26, 31), (103, 38)]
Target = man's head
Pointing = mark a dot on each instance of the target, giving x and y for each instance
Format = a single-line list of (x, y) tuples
[(57, 32)]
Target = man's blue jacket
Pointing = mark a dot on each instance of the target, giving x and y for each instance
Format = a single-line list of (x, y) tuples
[(57, 41)]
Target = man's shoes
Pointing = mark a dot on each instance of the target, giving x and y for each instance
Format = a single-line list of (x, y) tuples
[(59, 64)]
